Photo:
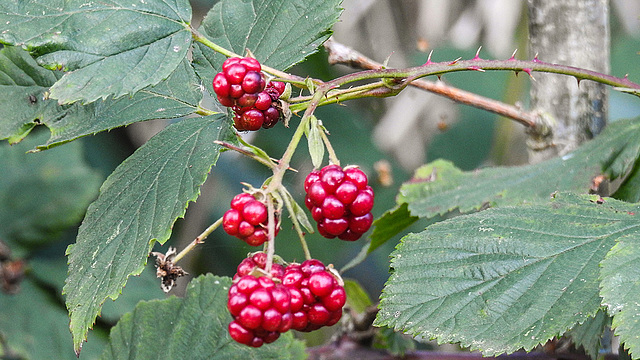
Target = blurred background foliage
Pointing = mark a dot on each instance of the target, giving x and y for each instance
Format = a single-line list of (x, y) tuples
[(43, 195)]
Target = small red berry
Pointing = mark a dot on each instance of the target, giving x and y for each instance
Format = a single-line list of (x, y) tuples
[(340, 201), (253, 82), (316, 296), (220, 85), (252, 120), (251, 64), (254, 212), (235, 73), (247, 220), (321, 283), (242, 86)]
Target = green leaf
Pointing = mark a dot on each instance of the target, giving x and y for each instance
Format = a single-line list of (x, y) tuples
[(34, 325), (113, 47), (588, 335), (314, 141), (25, 85), (137, 206), (439, 187), (505, 278), (193, 327), (621, 287), (393, 342), (174, 97), (390, 224), (45, 193), (629, 190), (357, 297), (296, 211), (278, 33), (53, 273)]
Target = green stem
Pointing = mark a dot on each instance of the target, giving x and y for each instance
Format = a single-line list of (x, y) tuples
[(283, 164), (198, 240), (333, 158), (376, 89), (266, 162), (228, 53), (271, 229), (296, 224), (205, 112)]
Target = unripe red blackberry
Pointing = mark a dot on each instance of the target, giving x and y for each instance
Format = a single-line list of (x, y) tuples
[(258, 261), (255, 111), (242, 86), (340, 201), (261, 310), (317, 297), (247, 220), (239, 77)]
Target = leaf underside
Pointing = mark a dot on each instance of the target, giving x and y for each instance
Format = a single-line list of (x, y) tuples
[(109, 48), (505, 278), (193, 327), (137, 206)]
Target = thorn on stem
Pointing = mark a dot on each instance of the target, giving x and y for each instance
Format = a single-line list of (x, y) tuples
[(429, 58), (528, 71), (475, 68), (455, 61), (477, 57), (535, 58), (513, 56)]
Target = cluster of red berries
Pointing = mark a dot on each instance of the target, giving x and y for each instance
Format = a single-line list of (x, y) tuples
[(340, 201), (247, 220), (303, 297), (242, 87)]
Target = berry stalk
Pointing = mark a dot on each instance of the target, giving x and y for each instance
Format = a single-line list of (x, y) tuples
[(286, 197), (198, 240), (283, 76), (271, 244)]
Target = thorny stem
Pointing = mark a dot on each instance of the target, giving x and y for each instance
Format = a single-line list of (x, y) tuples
[(198, 240), (392, 81), (375, 89), (342, 54)]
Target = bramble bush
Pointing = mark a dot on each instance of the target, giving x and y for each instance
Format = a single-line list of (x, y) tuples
[(534, 252)]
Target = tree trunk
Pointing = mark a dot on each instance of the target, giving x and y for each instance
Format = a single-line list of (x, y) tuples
[(570, 32)]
